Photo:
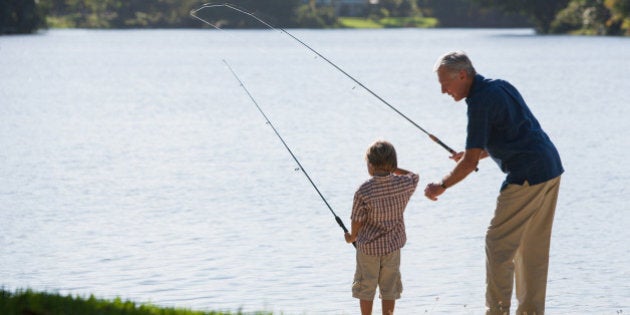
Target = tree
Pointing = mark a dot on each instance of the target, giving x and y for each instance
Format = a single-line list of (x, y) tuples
[(280, 13), (157, 13), (620, 10), (19, 17), (542, 12), (311, 16), (587, 17), (594, 17), (466, 13), (399, 8)]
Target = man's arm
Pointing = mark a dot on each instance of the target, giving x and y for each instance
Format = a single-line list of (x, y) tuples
[(466, 164)]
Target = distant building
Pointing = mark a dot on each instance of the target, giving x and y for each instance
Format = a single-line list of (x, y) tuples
[(346, 7)]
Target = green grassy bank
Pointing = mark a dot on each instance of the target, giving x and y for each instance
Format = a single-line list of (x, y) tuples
[(344, 22), (27, 302), (354, 22)]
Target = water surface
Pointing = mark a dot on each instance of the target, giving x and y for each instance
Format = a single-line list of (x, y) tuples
[(133, 164)]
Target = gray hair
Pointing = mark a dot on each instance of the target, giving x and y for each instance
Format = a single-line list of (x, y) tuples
[(455, 62)]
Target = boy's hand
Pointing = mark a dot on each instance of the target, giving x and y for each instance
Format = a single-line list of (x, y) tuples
[(349, 238)]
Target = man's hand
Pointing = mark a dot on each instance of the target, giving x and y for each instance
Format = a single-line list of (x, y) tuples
[(457, 156), (433, 190)]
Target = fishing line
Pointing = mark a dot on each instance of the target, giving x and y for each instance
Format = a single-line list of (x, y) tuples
[(193, 13), (337, 218)]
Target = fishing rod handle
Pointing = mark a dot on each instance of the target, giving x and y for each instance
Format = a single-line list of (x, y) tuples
[(343, 227), (338, 219), (442, 144)]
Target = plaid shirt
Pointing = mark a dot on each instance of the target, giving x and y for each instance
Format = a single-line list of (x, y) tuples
[(380, 203)]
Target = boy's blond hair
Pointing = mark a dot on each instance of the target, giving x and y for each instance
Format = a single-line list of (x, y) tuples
[(381, 154)]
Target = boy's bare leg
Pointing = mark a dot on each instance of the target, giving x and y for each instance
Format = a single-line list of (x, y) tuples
[(388, 307), (366, 307)]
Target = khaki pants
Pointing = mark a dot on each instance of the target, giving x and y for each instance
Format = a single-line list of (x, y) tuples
[(381, 271), (517, 247)]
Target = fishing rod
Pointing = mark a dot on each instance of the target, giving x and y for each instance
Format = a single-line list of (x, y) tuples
[(337, 218), (193, 13)]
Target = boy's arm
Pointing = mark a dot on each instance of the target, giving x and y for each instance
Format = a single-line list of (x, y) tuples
[(354, 232)]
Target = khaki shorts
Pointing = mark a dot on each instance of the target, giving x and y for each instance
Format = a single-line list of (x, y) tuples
[(383, 271)]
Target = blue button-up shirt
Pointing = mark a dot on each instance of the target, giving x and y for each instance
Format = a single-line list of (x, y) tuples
[(500, 122)]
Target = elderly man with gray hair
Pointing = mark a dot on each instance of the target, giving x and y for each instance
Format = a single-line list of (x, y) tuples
[(501, 125)]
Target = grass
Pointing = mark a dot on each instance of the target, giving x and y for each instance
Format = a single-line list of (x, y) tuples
[(27, 302), (345, 22), (58, 22), (354, 22)]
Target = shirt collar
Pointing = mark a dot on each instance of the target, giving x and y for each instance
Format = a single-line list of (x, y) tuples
[(476, 85), (381, 177)]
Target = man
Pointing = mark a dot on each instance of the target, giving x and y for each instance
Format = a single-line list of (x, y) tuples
[(500, 125)]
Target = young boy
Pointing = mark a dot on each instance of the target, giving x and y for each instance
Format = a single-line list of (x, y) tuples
[(378, 227)]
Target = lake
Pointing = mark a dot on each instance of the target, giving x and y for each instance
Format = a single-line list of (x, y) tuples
[(133, 164)]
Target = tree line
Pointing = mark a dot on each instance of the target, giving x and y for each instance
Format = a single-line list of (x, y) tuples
[(595, 17)]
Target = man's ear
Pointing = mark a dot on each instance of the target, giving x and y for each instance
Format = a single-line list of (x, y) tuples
[(463, 74)]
